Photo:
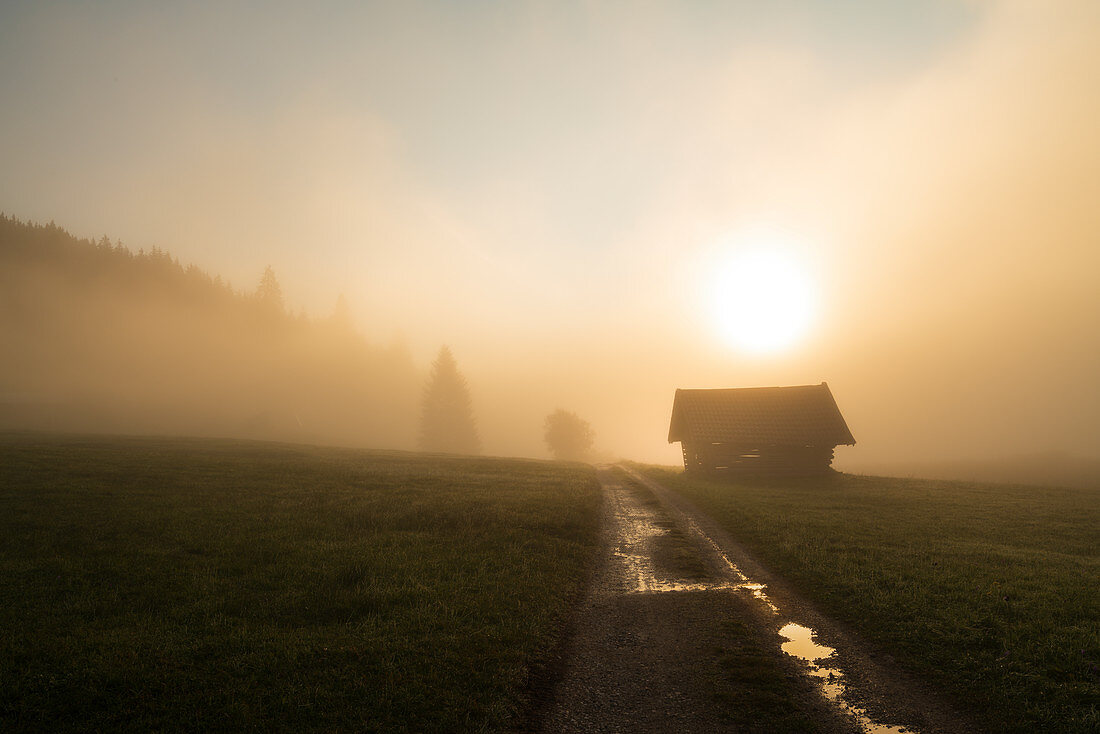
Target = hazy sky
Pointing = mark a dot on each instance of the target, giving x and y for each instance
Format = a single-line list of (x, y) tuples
[(551, 187)]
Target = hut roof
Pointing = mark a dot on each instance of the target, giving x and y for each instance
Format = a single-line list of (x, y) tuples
[(802, 415)]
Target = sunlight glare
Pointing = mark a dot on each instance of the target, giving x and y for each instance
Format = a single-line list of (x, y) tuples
[(762, 298)]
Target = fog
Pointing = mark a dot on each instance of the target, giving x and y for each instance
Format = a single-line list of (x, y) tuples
[(548, 189), (99, 339)]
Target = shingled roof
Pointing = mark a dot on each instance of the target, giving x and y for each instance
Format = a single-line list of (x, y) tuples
[(802, 415)]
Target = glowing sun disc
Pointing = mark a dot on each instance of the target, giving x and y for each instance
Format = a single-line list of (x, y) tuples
[(762, 299)]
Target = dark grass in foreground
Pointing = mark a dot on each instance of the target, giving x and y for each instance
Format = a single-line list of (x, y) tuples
[(991, 592), (194, 584)]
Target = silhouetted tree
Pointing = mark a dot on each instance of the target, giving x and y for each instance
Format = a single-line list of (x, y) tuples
[(270, 293), (446, 418), (568, 436)]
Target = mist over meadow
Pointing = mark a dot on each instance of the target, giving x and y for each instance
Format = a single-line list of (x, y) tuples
[(562, 194), (102, 339), (550, 365)]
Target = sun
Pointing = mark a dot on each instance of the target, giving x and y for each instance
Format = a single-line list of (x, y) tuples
[(762, 297)]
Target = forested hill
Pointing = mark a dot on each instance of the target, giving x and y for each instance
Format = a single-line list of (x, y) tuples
[(98, 338)]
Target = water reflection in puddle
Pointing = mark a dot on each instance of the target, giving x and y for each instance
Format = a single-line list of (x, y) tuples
[(800, 644), (638, 526)]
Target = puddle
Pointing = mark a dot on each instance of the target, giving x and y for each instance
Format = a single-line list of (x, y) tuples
[(638, 526), (800, 644)]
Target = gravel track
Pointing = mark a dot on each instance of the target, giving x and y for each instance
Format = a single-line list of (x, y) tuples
[(644, 653)]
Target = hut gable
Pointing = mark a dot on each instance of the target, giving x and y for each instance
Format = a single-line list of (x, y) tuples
[(759, 429)]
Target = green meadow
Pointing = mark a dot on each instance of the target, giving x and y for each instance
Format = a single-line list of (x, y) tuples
[(989, 592), (176, 584), (168, 584)]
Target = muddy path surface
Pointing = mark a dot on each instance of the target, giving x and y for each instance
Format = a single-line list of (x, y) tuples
[(680, 630)]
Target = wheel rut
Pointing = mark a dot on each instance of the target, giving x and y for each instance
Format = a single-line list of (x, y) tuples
[(657, 633), (679, 630)]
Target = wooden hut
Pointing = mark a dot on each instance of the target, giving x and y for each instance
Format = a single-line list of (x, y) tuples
[(758, 430)]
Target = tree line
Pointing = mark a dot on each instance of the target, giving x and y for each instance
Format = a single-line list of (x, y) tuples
[(101, 338)]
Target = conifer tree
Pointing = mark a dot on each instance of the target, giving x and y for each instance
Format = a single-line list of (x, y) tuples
[(446, 418), (270, 293)]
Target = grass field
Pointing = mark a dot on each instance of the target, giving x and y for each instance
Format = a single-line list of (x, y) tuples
[(990, 592), (193, 584)]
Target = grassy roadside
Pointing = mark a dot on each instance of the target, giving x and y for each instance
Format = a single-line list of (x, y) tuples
[(191, 584), (990, 592)]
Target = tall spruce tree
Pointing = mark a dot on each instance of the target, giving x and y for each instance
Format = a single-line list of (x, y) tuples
[(270, 293), (446, 418)]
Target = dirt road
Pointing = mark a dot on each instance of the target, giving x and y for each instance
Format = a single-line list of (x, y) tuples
[(681, 631)]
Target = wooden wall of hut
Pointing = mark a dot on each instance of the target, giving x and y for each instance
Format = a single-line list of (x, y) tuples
[(722, 458)]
